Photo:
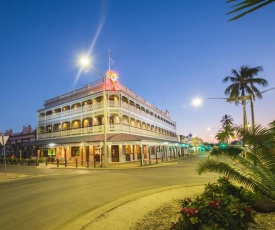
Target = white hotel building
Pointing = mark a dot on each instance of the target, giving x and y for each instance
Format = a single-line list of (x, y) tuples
[(72, 126)]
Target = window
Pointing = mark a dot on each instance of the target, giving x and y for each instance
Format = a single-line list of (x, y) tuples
[(75, 151)]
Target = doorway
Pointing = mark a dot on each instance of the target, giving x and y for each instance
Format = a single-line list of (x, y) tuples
[(115, 153)]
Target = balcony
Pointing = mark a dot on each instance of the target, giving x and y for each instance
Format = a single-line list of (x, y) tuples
[(99, 129)]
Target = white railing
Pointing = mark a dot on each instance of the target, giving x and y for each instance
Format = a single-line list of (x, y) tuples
[(75, 131), (48, 117), (113, 128), (41, 118), (113, 104), (74, 111), (56, 134), (87, 108), (56, 115), (98, 105), (66, 113)]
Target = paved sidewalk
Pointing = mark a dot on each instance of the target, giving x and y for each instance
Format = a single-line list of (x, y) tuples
[(112, 166), (124, 213)]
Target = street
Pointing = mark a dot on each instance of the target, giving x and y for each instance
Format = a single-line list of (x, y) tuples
[(51, 198)]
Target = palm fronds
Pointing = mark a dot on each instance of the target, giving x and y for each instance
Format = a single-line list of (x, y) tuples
[(260, 148), (247, 5), (254, 178)]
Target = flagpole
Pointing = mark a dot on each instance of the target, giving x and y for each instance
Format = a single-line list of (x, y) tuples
[(109, 59)]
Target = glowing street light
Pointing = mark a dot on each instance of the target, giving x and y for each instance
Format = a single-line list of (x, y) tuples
[(85, 61), (198, 101)]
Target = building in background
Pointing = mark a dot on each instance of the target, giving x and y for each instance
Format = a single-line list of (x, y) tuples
[(72, 126), (17, 144)]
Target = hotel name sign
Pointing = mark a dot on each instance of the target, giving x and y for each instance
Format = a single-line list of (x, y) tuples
[(123, 143)]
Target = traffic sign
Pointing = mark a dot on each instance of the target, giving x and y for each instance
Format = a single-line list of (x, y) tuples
[(4, 140)]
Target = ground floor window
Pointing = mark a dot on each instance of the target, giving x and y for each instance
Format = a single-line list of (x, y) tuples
[(51, 152), (75, 151)]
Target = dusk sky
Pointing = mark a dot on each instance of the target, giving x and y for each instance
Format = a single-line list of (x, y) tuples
[(167, 51)]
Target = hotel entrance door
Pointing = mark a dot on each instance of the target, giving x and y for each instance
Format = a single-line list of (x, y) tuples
[(115, 154)]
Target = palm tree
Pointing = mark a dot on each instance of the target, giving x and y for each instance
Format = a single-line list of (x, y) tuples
[(227, 120), (272, 126), (251, 5), (225, 134), (260, 178), (220, 136), (243, 83)]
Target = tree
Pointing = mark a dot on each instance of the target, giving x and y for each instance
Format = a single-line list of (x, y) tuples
[(260, 178), (243, 83), (227, 120), (248, 5), (225, 134), (220, 136)]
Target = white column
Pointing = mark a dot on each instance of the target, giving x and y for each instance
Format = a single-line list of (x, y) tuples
[(121, 153), (141, 154)]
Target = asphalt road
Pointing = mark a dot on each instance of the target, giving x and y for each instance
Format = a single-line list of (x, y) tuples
[(53, 198)]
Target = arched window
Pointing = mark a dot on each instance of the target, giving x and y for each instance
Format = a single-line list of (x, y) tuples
[(87, 122), (66, 125)]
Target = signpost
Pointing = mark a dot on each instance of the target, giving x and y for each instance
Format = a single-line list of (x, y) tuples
[(3, 142)]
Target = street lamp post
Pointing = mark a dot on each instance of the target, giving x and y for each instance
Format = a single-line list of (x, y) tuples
[(105, 123), (86, 63)]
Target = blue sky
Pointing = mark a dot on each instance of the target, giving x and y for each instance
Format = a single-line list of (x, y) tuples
[(168, 52)]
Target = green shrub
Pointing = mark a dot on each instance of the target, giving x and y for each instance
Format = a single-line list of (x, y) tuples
[(221, 206), (14, 160), (33, 160), (42, 160), (30, 160), (25, 160)]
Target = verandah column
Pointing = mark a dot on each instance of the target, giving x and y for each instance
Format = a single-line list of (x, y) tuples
[(149, 152), (141, 155), (121, 153), (135, 152)]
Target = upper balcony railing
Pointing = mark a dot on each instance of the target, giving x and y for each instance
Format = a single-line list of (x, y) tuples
[(112, 128), (96, 87)]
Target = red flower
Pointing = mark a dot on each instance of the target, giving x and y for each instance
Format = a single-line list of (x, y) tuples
[(213, 204), (190, 211), (182, 210)]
